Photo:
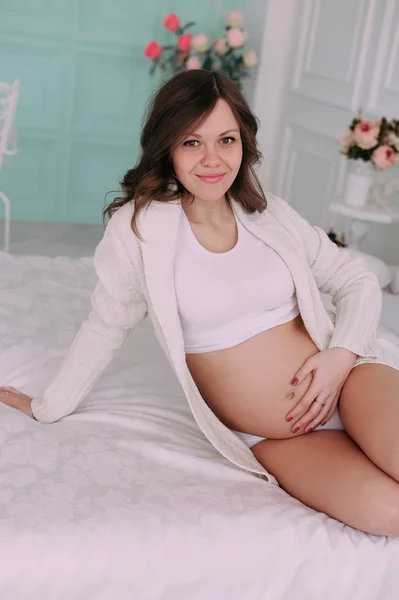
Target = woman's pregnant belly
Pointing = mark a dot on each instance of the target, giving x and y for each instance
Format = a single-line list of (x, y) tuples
[(248, 386)]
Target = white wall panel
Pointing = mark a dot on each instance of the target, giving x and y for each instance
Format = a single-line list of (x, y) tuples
[(383, 93), (304, 152), (333, 42)]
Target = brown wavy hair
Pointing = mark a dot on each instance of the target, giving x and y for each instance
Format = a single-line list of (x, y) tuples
[(178, 106)]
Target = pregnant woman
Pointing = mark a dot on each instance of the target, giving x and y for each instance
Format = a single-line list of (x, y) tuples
[(231, 280)]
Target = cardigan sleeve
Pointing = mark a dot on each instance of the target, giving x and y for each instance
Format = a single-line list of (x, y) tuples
[(355, 293), (117, 306)]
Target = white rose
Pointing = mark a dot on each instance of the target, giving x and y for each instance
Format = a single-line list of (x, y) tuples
[(193, 62), (200, 42), (393, 140), (235, 18), (220, 46), (250, 58), (346, 139)]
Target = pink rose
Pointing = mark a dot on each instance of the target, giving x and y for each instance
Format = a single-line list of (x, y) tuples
[(153, 50), (220, 46), (184, 41), (366, 133), (171, 22), (193, 62), (384, 158), (235, 37)]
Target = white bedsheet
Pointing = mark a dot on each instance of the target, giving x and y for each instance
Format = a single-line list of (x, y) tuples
[(126, 499)]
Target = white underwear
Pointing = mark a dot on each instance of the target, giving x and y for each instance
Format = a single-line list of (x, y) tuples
[(250, 440)]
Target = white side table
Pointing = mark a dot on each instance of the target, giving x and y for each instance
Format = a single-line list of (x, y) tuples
[(360, 219)]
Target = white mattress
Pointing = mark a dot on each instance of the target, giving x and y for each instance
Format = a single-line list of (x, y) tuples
[(127, 499)]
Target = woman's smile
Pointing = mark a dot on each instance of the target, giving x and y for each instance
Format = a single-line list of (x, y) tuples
[(211, 177)]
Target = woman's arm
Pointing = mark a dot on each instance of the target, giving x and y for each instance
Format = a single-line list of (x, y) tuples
[(356, 293), (117, 306)]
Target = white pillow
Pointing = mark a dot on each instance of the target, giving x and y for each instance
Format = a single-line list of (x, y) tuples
[(395, 280), (390, 312), (373, 264)]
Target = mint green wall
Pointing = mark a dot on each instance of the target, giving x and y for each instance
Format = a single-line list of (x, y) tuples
[(84, 83)]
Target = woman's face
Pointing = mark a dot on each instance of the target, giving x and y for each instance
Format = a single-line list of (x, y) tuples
[(207, 161)]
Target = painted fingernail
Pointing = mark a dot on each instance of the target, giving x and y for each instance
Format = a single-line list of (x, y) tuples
[(324, 423), (295, 429), (309, 430), (295, 381), (289, 418)]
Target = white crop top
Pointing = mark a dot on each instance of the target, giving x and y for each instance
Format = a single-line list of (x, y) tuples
[(226, 298)]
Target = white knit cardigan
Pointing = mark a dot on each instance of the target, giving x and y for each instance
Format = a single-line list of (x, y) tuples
[(135, 278)]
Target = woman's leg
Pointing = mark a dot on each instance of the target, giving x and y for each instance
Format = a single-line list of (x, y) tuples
[(327, 471), (369, 410)]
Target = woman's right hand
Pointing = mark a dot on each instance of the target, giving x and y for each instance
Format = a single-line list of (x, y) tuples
[(16, 399)]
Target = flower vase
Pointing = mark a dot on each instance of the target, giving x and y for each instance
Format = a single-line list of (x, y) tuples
[(361, 177)]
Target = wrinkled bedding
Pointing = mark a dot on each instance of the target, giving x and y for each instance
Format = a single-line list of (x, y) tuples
[(127, 499)]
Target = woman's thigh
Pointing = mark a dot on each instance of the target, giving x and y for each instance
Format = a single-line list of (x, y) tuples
[(327, 471), (369, 410)]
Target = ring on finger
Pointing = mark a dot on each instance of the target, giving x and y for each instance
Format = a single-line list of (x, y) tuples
[(322, 403)]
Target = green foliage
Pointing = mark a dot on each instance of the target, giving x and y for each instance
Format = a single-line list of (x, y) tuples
[(355, 152)]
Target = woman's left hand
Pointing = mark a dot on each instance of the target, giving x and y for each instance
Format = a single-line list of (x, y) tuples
[(330, 370)]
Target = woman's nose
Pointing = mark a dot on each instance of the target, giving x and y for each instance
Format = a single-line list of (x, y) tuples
[(210, 158)]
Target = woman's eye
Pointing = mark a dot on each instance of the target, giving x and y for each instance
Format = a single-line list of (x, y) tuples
[(227, 141)]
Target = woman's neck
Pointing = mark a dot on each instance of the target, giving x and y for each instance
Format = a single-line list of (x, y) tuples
[(208, 212)]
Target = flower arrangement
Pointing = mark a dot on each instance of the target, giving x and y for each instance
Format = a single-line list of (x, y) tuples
[(375, 141), (190, 51)]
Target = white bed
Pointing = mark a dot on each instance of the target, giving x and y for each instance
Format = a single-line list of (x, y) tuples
[(126, 498)]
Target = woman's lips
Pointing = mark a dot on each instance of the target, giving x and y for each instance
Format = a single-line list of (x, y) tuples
[(211, 178)]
